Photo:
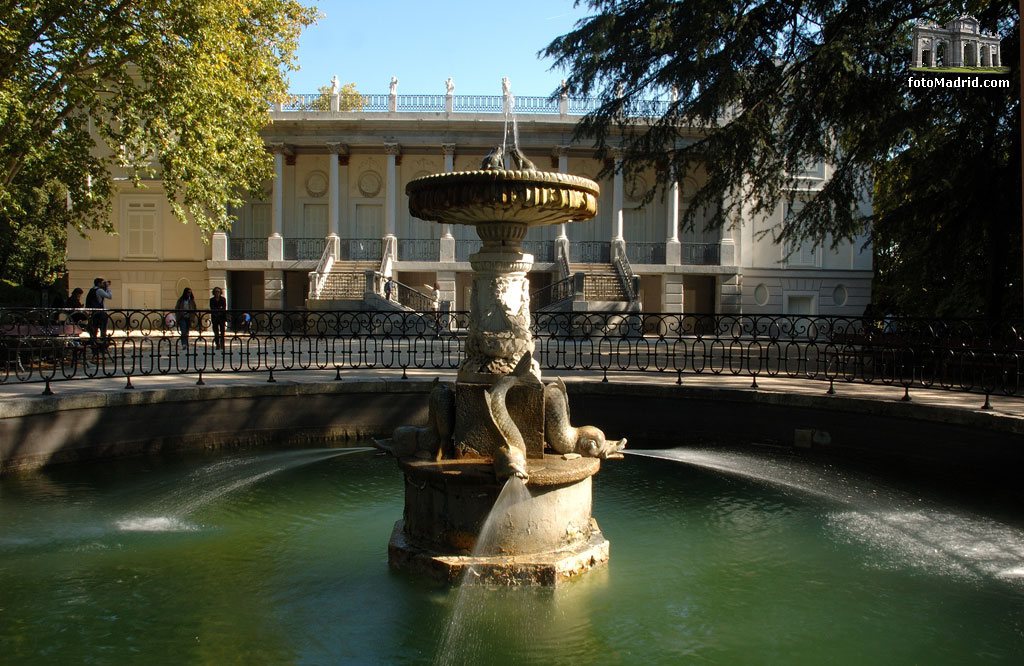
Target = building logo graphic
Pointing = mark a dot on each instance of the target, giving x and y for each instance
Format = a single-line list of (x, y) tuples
[(958, 46)]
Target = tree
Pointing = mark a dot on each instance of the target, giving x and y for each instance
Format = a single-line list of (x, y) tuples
[(97, 89), (349, 99), (774, 86)]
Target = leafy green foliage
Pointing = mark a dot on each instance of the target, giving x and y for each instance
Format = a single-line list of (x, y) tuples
[(349, 99), (95, 90), (767, 88)]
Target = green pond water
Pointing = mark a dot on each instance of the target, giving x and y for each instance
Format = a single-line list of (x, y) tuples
[(281, 558)]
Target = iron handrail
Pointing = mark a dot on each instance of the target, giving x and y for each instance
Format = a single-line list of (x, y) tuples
[(626, 277)]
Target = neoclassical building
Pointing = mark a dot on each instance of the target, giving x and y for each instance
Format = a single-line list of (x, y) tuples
[(959, 43), (334, 220)]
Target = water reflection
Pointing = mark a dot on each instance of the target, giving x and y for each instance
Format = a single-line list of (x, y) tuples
[(715, 557)]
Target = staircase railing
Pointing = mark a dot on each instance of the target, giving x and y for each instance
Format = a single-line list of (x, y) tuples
[(318, 276), (553, 294), (625, 273), (563, 263)]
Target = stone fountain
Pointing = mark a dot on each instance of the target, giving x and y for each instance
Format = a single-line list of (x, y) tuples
[(500, 422)]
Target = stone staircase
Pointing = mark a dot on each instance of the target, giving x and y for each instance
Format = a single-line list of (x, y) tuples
[(347, 280), (601, 283)]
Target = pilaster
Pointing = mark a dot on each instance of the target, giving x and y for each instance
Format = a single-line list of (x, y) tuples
[(219, 246), (446, 281), (273, 290), (217, 279), (730, 292), (673, 297)]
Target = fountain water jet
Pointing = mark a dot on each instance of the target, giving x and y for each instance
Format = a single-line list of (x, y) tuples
[(500, 418)]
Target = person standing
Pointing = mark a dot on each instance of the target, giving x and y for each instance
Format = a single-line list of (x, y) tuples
[(184, 310), (388, 287), (218, 317), (436, 306), (96, 301)]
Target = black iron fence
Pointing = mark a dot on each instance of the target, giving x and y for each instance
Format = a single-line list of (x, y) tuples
[(645, 253), (590, 252), (701, 254), (360, 249), (542, 250), (304, 248), (464, 248), (419, 249), (43, 345), (247, 248)]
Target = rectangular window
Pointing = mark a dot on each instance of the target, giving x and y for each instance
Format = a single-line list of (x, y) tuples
[(814, 171), (314, 220), (369, 218), (802, 254), (806, 255), (259, 225), (140, 229), (801, 304)]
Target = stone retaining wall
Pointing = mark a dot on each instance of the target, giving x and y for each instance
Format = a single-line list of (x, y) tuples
[(40, 431)]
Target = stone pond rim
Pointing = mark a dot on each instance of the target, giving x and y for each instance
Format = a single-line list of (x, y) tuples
[(531, 198)]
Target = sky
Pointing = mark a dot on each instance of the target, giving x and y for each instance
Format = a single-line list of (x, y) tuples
[(476, 42)]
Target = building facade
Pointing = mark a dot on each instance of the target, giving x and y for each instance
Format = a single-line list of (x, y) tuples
[(334, 222)]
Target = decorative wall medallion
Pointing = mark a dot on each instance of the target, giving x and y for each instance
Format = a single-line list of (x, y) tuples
[(316, 184), (369, 183), (637, 188), (761, 294), (426, 167)]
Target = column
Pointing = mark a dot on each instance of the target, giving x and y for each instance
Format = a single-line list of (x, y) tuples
[(562, 153), (394, 152), (337, 150), (449, 166), (562, 240), (275, 243), (672, 245), (447, 242), (728, 235), (618, 239)]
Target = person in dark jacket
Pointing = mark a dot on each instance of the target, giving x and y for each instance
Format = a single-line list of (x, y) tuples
[(218, 316), (184, 310)]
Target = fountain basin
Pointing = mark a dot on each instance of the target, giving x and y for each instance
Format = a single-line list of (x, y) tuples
[(491, 197), (547, 537)]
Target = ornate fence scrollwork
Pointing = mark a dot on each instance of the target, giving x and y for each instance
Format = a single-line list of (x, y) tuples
[(53, 346)]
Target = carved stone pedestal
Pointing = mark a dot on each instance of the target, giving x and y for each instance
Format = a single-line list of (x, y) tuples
[(475, 434), (544, 540)]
